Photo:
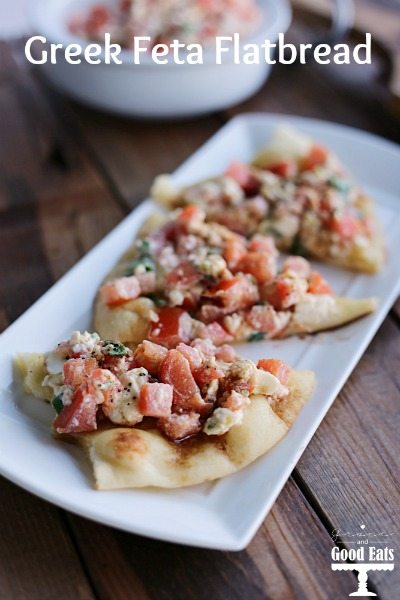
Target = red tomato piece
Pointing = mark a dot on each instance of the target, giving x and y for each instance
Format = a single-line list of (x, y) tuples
[(155, 399), (318, 285), (316, 157), (150, 356), (285, 168), (98, 17), (178, 427), (264, 244), (120, 290), (226, 353), (234, 251), (207, 373), (285, 291), (298, 265), (102, 383), (233, 294), (346, 226), (174, 325), (244, 176), (76, 370), (189, 215), (80, 415), (175, 370), (265, 319), (216, 333), (262, 267), (193, 355), (277, 367), (183, 276)]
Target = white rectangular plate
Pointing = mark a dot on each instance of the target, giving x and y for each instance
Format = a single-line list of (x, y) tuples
[(227, 513)]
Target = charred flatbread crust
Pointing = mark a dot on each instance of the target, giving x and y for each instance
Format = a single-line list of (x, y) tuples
[(123, 457), (130, 458)]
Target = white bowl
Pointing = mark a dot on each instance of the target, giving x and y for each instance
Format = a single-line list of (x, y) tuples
[(148, 89)]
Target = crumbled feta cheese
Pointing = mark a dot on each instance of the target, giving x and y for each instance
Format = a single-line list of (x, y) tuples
[(213, 265), (55, 381), (123, 407), (176, 297), (55, 362), (267, 384), (84, 343), (222, 420)]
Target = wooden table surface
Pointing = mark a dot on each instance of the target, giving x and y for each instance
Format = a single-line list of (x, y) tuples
[(67, 176)]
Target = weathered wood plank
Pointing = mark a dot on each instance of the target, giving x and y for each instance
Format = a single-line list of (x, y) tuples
[(350, 470), (288, 559), (37, 558)]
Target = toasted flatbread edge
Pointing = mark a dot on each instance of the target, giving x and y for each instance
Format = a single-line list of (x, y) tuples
[(123, 457), (135, 458)]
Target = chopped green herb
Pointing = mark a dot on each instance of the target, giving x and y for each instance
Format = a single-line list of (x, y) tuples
[(158, 300), (297, 247), (339, 184), (256, 337), (114, 348), (144, 247), (57, 403), (143, 261)]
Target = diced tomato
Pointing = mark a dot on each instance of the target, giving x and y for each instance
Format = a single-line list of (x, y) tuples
[(193, 355), (178, 427), (174, 325), (262, 267), (284, 292), (257, 207), (209, 313), (155, 399), (175, 370), (98, 17), (264, 244), (346, 226), (76, 370), (216, 333), (205, 346), (102, 383), (265, 319), (316, 157), (189, 215), (120, 290), (244, 176), (118, 364), (208, 373), (298, 265), (285, 168), (276, 367), (318, 285), (234, 251), (235, 401), (184, 276), (233, 294), (226, 353), (147, 282), (150, 356), (80, 415)]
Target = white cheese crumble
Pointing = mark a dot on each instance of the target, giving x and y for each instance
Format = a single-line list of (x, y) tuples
[(222, 420), (266, 384), (84, 343), (123, 409)]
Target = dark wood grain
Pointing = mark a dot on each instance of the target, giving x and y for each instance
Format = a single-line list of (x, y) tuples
[(289, 558), (37, 557)]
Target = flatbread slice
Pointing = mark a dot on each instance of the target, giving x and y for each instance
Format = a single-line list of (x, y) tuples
[(125, 455), (297, 191), (227, 288)]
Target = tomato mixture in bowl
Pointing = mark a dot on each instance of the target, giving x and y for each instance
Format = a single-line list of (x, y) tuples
[(190, 21)]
